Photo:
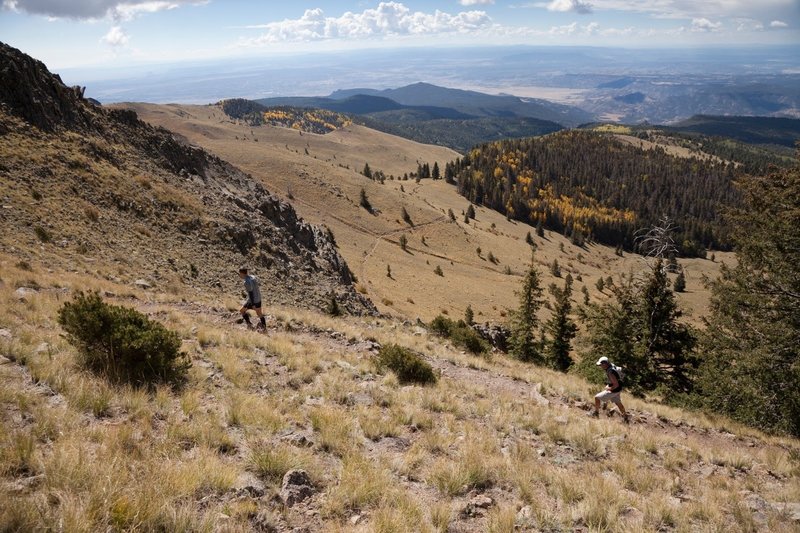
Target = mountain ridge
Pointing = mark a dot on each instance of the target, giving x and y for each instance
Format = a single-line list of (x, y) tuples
[(107, 178)]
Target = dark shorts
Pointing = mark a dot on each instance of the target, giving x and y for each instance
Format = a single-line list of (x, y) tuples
[(256, 305)]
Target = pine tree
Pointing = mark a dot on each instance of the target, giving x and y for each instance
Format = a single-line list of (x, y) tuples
[(404, 242), (539, 229), (435, 173), (470, 212), (524, 344), (367, 172), (451, 215), (529, 239), (555, 269), (469, 316), (601, 284), (364, 201), (679, 285), (561, 329), (406, 217), (668, 343), (751, 369)]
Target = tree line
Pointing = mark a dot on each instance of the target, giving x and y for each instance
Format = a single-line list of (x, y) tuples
[(592, 186)]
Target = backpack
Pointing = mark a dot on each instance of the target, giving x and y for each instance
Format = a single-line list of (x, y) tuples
[(620, 372)]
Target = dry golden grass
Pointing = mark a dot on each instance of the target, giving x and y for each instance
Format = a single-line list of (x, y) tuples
[(79, 454), (325, 187)]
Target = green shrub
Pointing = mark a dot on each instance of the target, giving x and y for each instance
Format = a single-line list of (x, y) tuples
[(408, 366), (122, 344), (460, 333)]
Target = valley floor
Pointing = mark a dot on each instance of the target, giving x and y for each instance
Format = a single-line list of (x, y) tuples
[(493, 446)]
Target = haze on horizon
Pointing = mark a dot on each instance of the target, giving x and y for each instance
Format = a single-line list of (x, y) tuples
[(122, 33)]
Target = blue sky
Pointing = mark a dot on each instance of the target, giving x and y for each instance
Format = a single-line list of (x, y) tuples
[(74, 33)]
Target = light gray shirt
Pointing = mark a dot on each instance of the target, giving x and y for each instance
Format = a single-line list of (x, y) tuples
[(253, 291)]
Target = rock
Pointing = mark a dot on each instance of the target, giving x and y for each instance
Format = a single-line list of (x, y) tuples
[(142, 284), (298, 439), (525, 516), (792, 510), (296, 487), (354, 520), (477, 506), (43, 348), (23, 293), (495, 334), (541, 452), (5, 334)]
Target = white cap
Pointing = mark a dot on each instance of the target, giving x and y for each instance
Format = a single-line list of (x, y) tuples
[(601, 361)]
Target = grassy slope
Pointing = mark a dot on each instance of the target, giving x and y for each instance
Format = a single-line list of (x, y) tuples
[(80, 455), (325, 192)]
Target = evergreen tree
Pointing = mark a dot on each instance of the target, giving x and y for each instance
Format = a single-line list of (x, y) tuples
[(667, 343), (367, 172), (404, 242), (435, 173), (751, 369), (601, 284), (406, 217), (560, 328), (539, 229), (363, 201), (529, 239), (451, 215), (470, 212), (523, 342), (555, 269), (469, 316), (679, 285)]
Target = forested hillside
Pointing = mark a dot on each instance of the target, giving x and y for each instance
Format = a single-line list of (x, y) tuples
[(591, 185)]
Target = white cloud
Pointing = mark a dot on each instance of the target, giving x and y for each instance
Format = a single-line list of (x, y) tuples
[(705, 25), (475, 2), (115, 37), (387, 20), (577, 6), (95, 9), (778, 24)]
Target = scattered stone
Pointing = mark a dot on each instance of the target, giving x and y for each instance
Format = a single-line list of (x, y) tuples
[(296, 487), (142, 284), (790, 509), (525, 516), (298, 439), (23, 293), (541, 452), (354, 520), (43, 348), (477, 506), (5, 334)]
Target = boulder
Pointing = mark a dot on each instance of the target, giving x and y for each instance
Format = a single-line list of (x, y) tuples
[(296, 487)]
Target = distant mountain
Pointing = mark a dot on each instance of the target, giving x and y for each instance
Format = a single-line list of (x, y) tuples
[(485, 105), (754, 130), (631, 98), (449, 117)]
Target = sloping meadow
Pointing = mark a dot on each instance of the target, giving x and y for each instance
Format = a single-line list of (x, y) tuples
[(493, 444)]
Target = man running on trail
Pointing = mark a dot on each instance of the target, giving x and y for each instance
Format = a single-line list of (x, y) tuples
[(612, 390), (253, 299)]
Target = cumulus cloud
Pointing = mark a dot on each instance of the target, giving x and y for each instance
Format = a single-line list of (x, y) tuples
[(475, 2), (705, 25), (778, 24), (115, 37), (95, 9), (584, 8), (388, 19)]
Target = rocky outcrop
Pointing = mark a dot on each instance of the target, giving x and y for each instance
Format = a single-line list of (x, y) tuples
[(494, 334), (199, 206)]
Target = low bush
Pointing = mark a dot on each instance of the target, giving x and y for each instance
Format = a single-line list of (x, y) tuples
[(408, 366), (460, 333), (122, 344)]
